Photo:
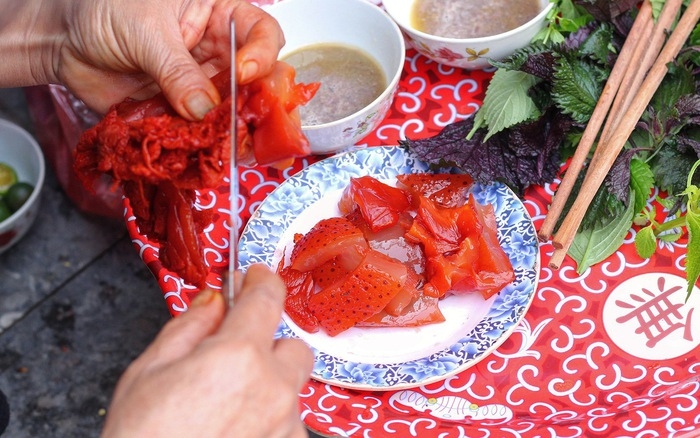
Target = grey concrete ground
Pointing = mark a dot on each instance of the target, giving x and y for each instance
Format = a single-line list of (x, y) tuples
[(76, 306)]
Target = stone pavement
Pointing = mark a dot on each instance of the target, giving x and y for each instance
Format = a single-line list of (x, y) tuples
[(76, 306)]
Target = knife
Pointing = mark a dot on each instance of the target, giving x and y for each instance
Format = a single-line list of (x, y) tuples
[(233, 177)]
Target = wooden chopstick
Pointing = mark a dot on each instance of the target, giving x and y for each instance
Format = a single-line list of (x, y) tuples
[(617, 139), (642, 26), (645, 54)]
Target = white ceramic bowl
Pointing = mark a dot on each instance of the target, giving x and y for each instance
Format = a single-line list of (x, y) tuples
[(21, 151), (470, 53), (355, 23)]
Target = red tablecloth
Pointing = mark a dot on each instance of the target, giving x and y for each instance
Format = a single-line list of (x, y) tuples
[(611, 352)]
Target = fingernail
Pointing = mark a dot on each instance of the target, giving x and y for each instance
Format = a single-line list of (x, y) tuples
[(248, 71), (198, 104), (203, 298)]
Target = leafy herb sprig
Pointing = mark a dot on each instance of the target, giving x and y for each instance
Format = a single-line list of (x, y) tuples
[(646, 239), (534, 112)]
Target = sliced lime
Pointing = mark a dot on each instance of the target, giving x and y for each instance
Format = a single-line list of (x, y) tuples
[(17, 195), (4, 211), (8, 177)]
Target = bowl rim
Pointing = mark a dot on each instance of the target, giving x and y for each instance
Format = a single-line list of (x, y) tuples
[(39, 155), (392, 82), (477, 40)]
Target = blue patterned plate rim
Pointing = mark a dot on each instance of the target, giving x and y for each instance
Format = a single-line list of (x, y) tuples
[(260, 241)]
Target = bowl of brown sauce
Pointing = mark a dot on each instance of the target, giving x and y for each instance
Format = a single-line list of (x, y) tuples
[(468, 33), (356, 52)]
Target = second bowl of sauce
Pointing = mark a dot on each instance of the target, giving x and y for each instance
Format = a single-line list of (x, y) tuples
[(472, 18), (350, 80)]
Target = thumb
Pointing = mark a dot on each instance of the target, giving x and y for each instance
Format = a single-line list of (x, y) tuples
[(183, 82), (181, 335), (190, 92)]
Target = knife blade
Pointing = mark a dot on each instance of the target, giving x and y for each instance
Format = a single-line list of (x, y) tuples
[(233, 177)]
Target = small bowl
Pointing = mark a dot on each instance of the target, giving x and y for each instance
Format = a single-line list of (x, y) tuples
[(354, 23), (468, 53), (21, 151)]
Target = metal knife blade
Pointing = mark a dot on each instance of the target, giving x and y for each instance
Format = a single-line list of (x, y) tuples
[(233, 232)]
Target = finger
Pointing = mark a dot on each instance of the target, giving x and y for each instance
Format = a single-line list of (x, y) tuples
[(260, 39), (238, 278), (190, 92), (298, 430), (296, 356), (258, 307), (238, 282), (182, 334), (186, 86), (289, 425)]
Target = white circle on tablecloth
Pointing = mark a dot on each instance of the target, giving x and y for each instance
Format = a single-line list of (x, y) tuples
[(648, 317)]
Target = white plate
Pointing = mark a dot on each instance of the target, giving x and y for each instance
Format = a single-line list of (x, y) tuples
[(395, 358)]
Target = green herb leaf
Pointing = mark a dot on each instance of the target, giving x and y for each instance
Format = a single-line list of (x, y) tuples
[(678, 82), (669, 237), (506, 102), (630, 172), (597, 44), (577, 87), (695, 36), (667, 202), (671, 169), (563, 18), (692, 260), (535, 59), (568, 25), (645, 242), (641, 182), (692, 217), (605, 205), (572, 16), (548, 34), (656, 6), (595, 245)]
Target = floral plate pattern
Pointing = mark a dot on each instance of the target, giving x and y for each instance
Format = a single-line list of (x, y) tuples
[(263, 241)]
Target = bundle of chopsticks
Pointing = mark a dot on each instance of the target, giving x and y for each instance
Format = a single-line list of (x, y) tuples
[(635, 77)]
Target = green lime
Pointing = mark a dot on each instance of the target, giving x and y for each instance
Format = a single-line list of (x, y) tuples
[(4, 211), (8, 177), (17, 195)]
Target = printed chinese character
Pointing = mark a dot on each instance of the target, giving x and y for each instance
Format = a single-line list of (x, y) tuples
[(658, 313)]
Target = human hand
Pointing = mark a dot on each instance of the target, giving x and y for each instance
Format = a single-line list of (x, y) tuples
[(210, 373), (179, 44), (105, 51)]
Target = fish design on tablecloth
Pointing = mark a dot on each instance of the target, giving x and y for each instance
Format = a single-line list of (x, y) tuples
[(450, 407)]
